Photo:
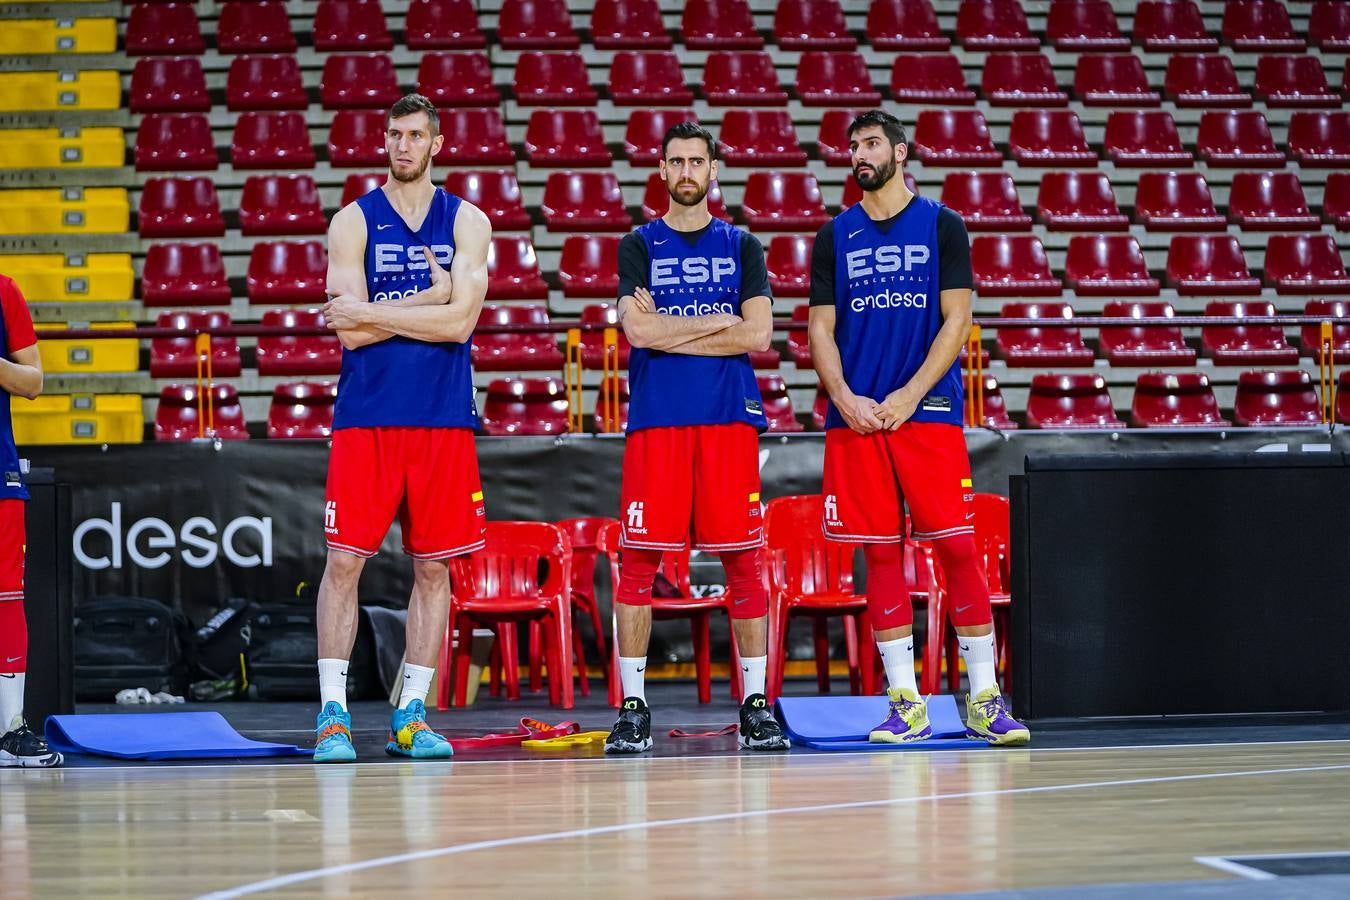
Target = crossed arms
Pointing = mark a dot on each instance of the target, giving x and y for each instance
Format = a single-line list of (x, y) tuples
[(718, 334)]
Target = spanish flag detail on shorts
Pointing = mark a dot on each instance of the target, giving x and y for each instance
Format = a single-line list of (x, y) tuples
[(754, 498), (966, 482), (476, 496)]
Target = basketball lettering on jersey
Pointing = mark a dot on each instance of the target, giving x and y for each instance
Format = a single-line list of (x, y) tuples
[(887, 309), (401, 382), (11, 478), (670, 389)]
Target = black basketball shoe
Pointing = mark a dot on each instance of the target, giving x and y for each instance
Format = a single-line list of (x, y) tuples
[(21, 747), (759, 729), (633, 732)]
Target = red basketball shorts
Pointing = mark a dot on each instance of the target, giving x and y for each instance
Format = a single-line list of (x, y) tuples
[(428, 477), (11, 550), (870, 477), (692, 481)]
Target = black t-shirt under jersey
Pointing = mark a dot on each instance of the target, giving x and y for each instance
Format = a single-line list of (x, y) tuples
[(635, 263), (953, 252)]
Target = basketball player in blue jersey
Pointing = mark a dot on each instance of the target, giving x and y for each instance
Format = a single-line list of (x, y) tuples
[(890, 310), (694, 300), (407, 273)]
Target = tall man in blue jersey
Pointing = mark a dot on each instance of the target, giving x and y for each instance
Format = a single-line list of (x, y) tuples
[(407, 274), (890, 311), (694, 301)]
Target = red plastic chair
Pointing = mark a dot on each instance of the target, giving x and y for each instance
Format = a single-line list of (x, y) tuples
[(507, 351), (930, 78), (274, 140), (1201, 264), (1070, 401), (742, 78), (994, 25), (646, 130), (1277, 400), (788, 261), (176, 416), (1105, 265), (1079, 25), (175, 142), (832, 142), (1049, 137), (163, 29), (1320, 139), (584, 201), (351, 25), (265, 82), (1293, 81), (995, 407), (474, 137), (296, 354), (1329, 25), (1172, 26), (1257, 25), (553, 79), (834, 79), (1079, 201), (358, 184), (1140, 345), (593, 342), (177, 357), (496, 193), (359, 81), (258, 26), (1112, 79), (525, 406), (1020, 79), (173, 84), (1251, 343), (629, 25), (357, 138), (1040, 348), (947, 137), (798, 341), (584, 534), (812, 25), (536, 25), (302, 411), (986, 200), (566, 137), (777, 404), (1269, 201), (1181, 400), (1204, 81), (651, 78), (904, 25), (287, 272), (1305, 264), (443, 25), (179, 208), (1176, 201), (1310, 336), (760, 137), (184, 275), (719, 25), (1012, 265), (656, 199), (1335, 200), (783, 201), (281, 205), (513, 270), (1145, 139), (590, 265), (457, 80), (1237, 140)]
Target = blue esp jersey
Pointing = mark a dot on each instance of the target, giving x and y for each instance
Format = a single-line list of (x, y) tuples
[(16, 333), (695, 274), (401, 382)]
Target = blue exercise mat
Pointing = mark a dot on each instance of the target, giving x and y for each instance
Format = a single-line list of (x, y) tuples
[(168, 735), (843, 723)]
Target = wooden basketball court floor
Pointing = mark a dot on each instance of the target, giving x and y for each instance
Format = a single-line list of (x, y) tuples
[(1162, 810)]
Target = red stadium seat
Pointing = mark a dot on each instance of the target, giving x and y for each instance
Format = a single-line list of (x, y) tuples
[(1269, 201), (287, 272), (164, 29), (1020, 79), (536, 25), (474, 137), (646, 130), (593, 342), (457, 79), (1172, 26), (788, 261), (590, 266), (358, 184), (281, 205), (176, 357), (1012, 266), (1200, 264), (930, 78), (350, 25), (995, 408), (1070, 401), (1259, 25), (525, 406), (629, 25), (1249, 343), (179, 207), (272, 140), (357, 138), (175, 142), (1166, 400), (602, 409), (359, 81), (798, 339), (553, 79), (656, 199), (176, 416), (1108, 265), (719, 25), (835, 79), (265, 82), (173, 84), (819, 408), (290, 354), (1204, 81), (1079, 201), (1329, 25), (1320, 139), (993, 25), (1343, 398), (832, 144), (1336, 200), (496, 193), (184, 275), (1049, 137), (652, 78), (1237, 140), (1176, 201), (1114, 80), (1276, 399), (1037, 347), (1293, 81), (1144, 140), (513, 270), (1310, 336), (904, 25), (742, 78), (565, 137), (1078, 25), (777, 404), (812, 25), (951, 137), (783, 201), (443, 25), (528, 351), (1305, 264), (254, 27), (584, 201), (302, 411), (986, 200), (760, 137), (1143, 345)]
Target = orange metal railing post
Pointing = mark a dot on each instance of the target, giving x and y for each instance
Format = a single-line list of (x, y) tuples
[(572, 376), (974, 378), (1326, 372), (609, 383)]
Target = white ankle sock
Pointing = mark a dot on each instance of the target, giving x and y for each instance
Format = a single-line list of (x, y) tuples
[(416, 683), (333, 682), (898, 658), (631, 669), (752, 674), (11, 698), (978, 652)]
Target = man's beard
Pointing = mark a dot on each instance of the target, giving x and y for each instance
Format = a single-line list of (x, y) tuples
[(700, 191), (875, 179), (416, 174)]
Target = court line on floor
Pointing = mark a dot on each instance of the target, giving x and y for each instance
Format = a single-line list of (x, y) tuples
[(282, 881), (1231, 863)]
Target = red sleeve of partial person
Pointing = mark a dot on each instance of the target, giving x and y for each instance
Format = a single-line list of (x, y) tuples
[(19, 331)]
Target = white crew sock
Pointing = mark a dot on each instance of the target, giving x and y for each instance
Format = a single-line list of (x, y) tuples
[(416, 683), (752, 674), (978, 652), (333, 682), (11, 698), (898, 658), (631, 677)]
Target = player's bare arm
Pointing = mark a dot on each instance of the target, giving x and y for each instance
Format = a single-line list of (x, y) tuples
[(754, 332), (900, 404), (860, 413), (22, 376), (645, 326)]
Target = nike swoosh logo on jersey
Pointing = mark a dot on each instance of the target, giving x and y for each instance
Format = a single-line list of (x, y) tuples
[(855, 234), (383, 227), (659, 243)]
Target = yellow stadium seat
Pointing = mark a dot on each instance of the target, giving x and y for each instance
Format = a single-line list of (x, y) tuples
[(32, 91), (65, 356), (101, 277), (78, 419), (28, 36), (64, 211), (58, 148)]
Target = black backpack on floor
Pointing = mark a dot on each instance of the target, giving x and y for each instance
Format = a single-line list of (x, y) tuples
[(283, 652), (127, 642)]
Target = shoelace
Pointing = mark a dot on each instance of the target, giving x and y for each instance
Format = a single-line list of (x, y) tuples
[(993, 707)]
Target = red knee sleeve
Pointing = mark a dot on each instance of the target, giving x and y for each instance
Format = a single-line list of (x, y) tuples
[(13, 638), (636, 575), (887, 593), (745, 583), (968, 594)]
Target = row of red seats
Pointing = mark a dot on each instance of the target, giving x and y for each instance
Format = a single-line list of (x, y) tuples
[(1072, 25)]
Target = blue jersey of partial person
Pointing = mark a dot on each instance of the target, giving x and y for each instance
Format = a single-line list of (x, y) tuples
[(402, 382), (11, 479), (674, 389), (887, 309)]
